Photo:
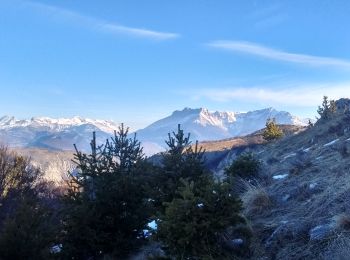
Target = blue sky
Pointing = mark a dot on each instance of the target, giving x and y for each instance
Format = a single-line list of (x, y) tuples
[(137, 61)]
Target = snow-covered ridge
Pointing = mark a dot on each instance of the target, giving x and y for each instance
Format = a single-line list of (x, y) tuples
[(205, 125), (56, 124)]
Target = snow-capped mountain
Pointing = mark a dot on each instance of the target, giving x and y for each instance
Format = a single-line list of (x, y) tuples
[(205, 125), (62, 133), (54, 134), (56, 124)]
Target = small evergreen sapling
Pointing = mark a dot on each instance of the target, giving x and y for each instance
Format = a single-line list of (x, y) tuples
[(272, 131), (197, 209), (195, 221)]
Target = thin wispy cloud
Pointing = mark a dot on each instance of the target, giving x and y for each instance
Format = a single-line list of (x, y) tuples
[(274, 54), (307, 95), (98, 24)]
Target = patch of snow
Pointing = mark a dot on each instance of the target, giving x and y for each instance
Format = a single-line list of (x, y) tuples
[(56, 249), (307, 149), (280, 176), (312, 185), (152, 225), (146, 233), (289, 155), (200, 205), (237, 241), (331, 143)]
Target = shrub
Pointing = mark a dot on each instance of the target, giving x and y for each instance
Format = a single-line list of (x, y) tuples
[(27, 221), (301, 162), (255, 200), (245, 166), (342, 221)]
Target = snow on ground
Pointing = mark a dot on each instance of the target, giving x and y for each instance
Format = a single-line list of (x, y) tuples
[(280, 176), (331, 143)]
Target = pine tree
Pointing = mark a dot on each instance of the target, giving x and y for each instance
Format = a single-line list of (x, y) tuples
[(181, 161), (197, 209), (328, 108), (106, 207), (195, 221), (272, 131)]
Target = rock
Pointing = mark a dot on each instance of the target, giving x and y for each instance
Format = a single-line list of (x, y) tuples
[(285, 198), (237, 242), (286, 231), (277, 235), (321, 231)]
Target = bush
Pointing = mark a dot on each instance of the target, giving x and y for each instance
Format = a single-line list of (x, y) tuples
[(245, 166), (28, 223), (272, 131), (255, 200)]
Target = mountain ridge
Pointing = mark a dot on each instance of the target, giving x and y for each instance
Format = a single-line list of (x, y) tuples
[(204, 125)]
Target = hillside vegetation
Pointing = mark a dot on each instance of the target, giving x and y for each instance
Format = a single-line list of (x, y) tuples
[(298, 205), (280, 193)]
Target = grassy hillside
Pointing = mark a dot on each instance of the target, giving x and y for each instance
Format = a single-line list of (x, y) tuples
[(299, 205)]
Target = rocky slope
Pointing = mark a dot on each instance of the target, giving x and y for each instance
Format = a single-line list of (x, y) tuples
[(298, 206)]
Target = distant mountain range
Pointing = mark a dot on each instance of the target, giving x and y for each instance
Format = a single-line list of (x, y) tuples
[(61, 134), (207, 126), (53, 134)]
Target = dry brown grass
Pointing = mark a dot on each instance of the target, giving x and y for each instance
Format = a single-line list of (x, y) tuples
[(338, 248), (255, 200)]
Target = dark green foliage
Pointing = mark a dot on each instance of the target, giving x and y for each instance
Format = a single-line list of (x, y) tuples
[(245, 166), (272, 131), (328, 108), (107, 208), (196, 209), (28, 223), (310, 124), (181, 161), (29, 232), (195, 220)]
